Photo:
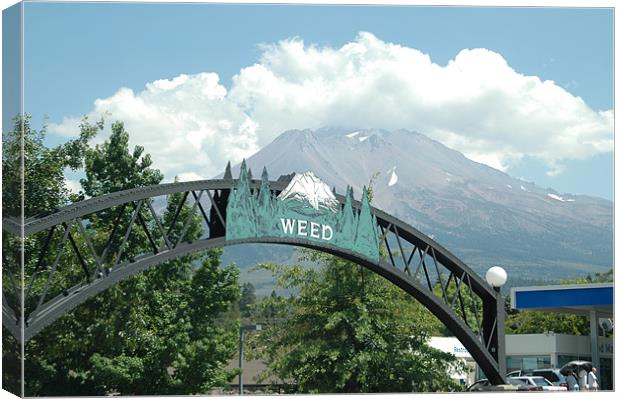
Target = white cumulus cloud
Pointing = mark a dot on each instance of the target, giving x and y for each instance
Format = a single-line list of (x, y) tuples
[(476, 104), (187, 124)]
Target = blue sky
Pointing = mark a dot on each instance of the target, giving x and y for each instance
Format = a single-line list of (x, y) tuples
[(76, 53)]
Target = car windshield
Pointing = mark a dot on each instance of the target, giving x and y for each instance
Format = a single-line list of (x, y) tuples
[(541, 382), (550, 375), (517, 381)]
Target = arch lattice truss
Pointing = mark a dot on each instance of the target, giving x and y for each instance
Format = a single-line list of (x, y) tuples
[(455, 294)]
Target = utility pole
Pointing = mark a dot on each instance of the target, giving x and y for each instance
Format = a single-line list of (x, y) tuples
[(242, 330)]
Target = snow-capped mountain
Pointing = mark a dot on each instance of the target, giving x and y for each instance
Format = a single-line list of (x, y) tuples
[(483, 215), (308, 188)]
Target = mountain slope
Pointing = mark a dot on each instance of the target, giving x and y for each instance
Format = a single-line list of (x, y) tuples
[(481, 214)]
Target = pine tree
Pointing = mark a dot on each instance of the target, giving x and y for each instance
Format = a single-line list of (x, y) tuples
[(347, 224), (366, 234), (240, 212), (248, 298), (265, 225)]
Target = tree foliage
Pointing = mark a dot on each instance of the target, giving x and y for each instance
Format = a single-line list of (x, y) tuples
[(349, 330), (25, 155), (606, 277), (158, 332), (248, 298), (537, 322), (29, 167), (463, 302)]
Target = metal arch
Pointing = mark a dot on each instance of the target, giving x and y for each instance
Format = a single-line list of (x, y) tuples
[(58, 306), (36, 224), (9, 321), (480, 347)]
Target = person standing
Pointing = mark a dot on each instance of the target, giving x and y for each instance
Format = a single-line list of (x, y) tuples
[(583, 380), (571, 381), (592, 380)]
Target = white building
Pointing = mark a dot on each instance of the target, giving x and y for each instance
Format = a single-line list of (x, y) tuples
[(454, 346), (550, 350)]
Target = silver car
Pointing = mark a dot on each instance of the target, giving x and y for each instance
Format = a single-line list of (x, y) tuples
[(537, 381), (553, 375)]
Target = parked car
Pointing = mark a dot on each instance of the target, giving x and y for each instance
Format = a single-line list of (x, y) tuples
[(485, 385), (480, 385), (515, 373), (541, 382), (523, 385), (553, 375)]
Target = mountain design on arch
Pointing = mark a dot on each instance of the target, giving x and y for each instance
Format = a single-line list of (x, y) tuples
[(310, 192), (305, 210)]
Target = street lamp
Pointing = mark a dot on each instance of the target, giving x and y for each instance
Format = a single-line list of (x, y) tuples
[(496, 277), (242, 330)]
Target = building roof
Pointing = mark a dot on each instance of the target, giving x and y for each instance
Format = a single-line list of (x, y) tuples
[(567, 298)]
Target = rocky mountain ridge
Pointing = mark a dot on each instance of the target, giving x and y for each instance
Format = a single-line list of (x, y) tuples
[(481, 214)]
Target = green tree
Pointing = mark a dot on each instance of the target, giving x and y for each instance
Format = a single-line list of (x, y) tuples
[(460, 299), (149, 334), (349, 330), (24, 155), (43, 167), (597, 277), (212, 340), (248, 298), (267, 311), (537, 322)]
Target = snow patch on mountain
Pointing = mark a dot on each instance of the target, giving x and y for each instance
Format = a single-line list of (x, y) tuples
[(558, 198), (306, 187), (523, 188), (351, 135), (393, 176), (469, 218), (363, 138)]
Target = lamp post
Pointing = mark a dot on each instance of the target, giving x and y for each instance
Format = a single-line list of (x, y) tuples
[(242, 330), (496, 276)]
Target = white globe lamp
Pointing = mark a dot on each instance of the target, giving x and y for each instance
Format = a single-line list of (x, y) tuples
[(496, 277)]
